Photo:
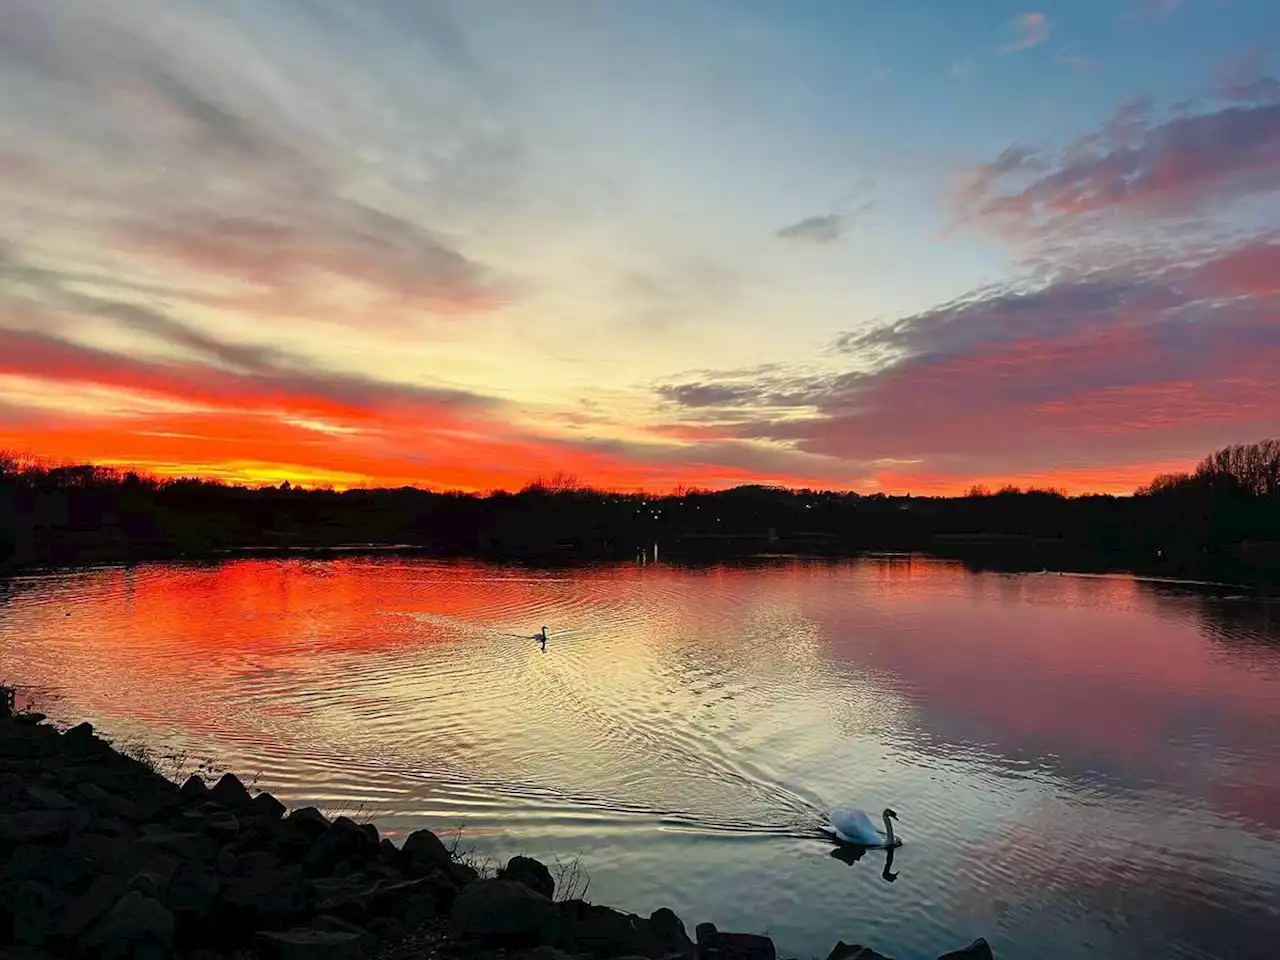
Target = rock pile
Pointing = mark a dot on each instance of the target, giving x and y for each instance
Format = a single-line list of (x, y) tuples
[(101, 857)]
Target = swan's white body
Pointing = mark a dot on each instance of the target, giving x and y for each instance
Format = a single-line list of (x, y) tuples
[(855, 827)]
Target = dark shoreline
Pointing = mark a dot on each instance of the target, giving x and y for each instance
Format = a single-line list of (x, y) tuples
[(101, 856), (1220, 524)]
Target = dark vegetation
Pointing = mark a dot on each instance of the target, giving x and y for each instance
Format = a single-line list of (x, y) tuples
[(1222, 520), (102, 857)]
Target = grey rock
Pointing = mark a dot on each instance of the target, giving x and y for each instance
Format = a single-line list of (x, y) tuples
[(604, 932), (854, 951), (92, 794), (668, 930), (308, 944), (33, 909), (193, 790), (48, 799), (34, 826), (107, 854), (271, 895), (193, 891), (80, 735), (337, 845), (49, 865), (136, 923), (221, 824), (12, 788), (338, 925), (978, 950), (184, 846), (714, 945), (112, 827), (500, 912), (90, 907), (462, 874), (265, 805), (308, 821), (531, 873), (414, 902), (548, 953), (231, 793), (423, 850)]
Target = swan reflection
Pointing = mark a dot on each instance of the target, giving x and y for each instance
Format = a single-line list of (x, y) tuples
[(851, 855)]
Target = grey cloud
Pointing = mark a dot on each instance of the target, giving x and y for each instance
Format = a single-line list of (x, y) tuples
[(186, 134), (1064, 307), (824, 229), (834, 226)]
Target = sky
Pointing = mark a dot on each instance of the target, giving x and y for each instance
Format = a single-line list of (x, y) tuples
[(875, 246)]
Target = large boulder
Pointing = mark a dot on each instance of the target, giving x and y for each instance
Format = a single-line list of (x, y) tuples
[(51, 865), (531, 873), (13, 790), (38, 826), (604, 932), (714, 945), (266, 898), (231, 793), (424, 851), (30, 910), (503, 913), (266, 806), (978, 950), (309, 944), (669, 932), (853, 951), (190, 847), (90, 907), (309, 822), (414, 902), (193, 790), (339, 925), (344, 841), (45, 798), (136, 926), (193, 893)]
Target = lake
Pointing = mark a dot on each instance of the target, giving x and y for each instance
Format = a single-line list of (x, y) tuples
[(1082, 766)]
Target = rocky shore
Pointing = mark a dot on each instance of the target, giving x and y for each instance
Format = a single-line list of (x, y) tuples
[(102, 857)]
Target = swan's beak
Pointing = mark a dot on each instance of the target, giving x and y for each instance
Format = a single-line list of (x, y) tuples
[(892, 814)]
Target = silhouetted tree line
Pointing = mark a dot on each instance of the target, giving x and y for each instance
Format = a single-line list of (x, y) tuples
[(1223, 519)]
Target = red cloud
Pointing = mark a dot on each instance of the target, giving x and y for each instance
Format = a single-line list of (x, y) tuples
[(336, 428), (1181, 165), (1250, 271), (1091, 383)]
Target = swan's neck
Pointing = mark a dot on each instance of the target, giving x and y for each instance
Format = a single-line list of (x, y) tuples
[(888, 829)]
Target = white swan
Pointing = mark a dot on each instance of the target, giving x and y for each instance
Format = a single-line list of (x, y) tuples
[(855, 827)]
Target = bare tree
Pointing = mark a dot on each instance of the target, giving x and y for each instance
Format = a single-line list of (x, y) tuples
[(1253, 468)]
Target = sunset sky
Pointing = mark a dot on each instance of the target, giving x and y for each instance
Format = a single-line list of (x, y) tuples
[(904, 246)]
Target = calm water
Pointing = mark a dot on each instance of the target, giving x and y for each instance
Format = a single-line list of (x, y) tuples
[(1083, 766)]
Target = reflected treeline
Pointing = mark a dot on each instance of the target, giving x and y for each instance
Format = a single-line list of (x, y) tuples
[(1201, 525)]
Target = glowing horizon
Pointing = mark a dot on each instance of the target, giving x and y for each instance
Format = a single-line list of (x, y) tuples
[(467, 245)]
